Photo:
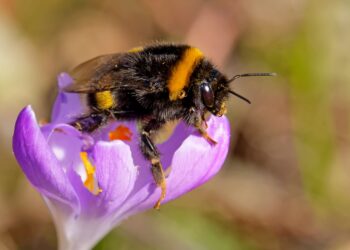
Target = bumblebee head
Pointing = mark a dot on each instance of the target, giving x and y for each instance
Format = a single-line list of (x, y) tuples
[(215, 89)]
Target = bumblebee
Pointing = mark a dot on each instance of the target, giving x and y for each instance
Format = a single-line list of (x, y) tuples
[(153, 85)]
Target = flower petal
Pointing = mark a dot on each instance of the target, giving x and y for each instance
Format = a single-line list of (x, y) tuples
[(115, 174), (38, 161), (67, 105), (115, 171), (196, 161)]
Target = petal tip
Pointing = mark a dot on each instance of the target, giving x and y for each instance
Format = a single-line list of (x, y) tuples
[(27, 109), (64, 79), (26, 113)]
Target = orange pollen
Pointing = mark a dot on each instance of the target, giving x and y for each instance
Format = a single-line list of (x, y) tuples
[(120, 133), (90, 182)]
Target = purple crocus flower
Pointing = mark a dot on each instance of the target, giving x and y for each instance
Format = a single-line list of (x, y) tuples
[(93, 182)]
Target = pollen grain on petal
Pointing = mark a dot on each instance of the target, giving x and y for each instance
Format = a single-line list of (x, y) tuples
[(120, 133), (90, 182)]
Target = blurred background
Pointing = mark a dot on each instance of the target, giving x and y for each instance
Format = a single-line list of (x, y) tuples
[(286, 180)]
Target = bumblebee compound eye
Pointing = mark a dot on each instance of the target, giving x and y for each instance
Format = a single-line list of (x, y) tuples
[(207, 94)]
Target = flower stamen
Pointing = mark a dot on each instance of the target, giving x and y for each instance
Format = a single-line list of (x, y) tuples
[(90, 182), (120, 133)]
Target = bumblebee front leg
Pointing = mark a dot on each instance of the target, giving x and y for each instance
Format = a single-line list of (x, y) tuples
[(151, 153), (198, 121), (205, 135)]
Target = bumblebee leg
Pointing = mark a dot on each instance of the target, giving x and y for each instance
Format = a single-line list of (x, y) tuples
[(198, 121), (204, 133), (150, 151), (205, 124), (90, 122)]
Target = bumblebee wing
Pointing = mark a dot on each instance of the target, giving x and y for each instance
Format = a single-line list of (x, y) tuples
[(94, 75)]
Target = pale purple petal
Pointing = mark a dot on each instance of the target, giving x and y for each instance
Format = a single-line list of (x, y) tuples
[(67, 143), (196, 161), (114, 165), (115, 174), (38, 161), (67, 105)]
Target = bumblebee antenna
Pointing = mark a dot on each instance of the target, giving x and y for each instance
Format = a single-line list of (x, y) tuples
[(239, 96), (246, 75), (251, 74)]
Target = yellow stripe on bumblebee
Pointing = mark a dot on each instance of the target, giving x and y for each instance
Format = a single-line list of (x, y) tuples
[(180, 75)]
